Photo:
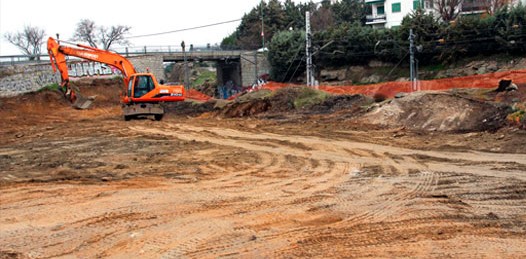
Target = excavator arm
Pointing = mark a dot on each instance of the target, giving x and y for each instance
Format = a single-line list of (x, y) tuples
[(58, 53)]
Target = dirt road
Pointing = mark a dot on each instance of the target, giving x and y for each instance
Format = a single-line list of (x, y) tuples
[(91, 185)]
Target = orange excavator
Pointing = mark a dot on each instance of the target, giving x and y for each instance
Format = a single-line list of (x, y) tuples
[(141, 95)]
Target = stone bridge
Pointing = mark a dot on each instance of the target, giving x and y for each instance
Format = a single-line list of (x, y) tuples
[(242, 67)]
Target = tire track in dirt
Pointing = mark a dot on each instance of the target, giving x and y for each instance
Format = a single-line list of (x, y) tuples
[(316, 176), (337, 150)]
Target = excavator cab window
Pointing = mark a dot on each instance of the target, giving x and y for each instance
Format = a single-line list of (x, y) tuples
[(143, 85)]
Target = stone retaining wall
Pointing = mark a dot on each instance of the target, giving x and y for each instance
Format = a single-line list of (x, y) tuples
[(19, 79)]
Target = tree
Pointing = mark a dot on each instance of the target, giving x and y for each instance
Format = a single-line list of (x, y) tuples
[(448, 9), (493, 6), (286, 51), (29, 41), (94, 35), (322, 18), (349, 11), (428, 31)]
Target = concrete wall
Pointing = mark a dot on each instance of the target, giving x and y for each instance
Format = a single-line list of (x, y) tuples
[(248, 72), (19, 79)]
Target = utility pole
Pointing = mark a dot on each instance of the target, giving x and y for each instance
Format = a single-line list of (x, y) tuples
[(186, 83), (256, 66), (413, 71), (262, 26), (308, 49)]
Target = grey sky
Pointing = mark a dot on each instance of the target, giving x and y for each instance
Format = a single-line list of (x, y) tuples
[(61, 16)]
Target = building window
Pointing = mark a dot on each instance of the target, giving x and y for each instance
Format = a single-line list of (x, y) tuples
[(380, 10), (396, 8), (416, 4), (428, 4)]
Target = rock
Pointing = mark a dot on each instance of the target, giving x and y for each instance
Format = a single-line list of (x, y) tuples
[(372, 79), (19, 135), (400, 95), (506, 85), (512, 87), (492, 66), (482, 70), (398, 134), (57, 227), (492, 215), (356, 69), (121, 166), (377, 63), (332, 75)]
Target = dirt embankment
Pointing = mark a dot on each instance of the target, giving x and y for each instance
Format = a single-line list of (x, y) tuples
[(439, 112)]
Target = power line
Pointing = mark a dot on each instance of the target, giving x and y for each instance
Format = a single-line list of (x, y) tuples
[(180, 30)]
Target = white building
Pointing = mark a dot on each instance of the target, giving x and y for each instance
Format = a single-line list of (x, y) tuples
[(389, 13)]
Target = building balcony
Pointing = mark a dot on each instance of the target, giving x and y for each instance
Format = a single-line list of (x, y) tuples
[(375, 19), (472, 8), (374, 1)]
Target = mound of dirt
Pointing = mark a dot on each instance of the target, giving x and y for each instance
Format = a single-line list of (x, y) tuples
[(105, 90), (189, 108), (292, 100), (245, 109), (439, 112), (336, 103)]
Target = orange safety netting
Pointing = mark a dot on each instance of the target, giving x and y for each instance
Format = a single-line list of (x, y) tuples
[(390, 89), (196, 95)]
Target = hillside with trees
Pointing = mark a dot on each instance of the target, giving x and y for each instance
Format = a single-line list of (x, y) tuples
[(341, 29)]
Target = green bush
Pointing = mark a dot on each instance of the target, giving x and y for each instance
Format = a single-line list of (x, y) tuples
[(286, 52), (308, 97), (50, 87)]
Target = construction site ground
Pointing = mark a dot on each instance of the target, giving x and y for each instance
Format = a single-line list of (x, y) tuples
[(88, 184)]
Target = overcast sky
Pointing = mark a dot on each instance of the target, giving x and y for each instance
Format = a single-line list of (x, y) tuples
[(151, 16)]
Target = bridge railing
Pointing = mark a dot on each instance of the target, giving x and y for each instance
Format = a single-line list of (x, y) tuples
[(22, 59), (128, 51)]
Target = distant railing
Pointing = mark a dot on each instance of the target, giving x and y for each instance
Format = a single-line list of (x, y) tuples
[(374, 18), (473, 7), (17, 59)]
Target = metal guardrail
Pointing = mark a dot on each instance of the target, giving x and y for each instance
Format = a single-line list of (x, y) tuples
[(375, 18)]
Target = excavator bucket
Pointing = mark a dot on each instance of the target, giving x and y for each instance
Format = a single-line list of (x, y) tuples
[(81, 102)]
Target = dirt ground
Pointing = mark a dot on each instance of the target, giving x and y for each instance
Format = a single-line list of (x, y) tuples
[(88, 184)]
